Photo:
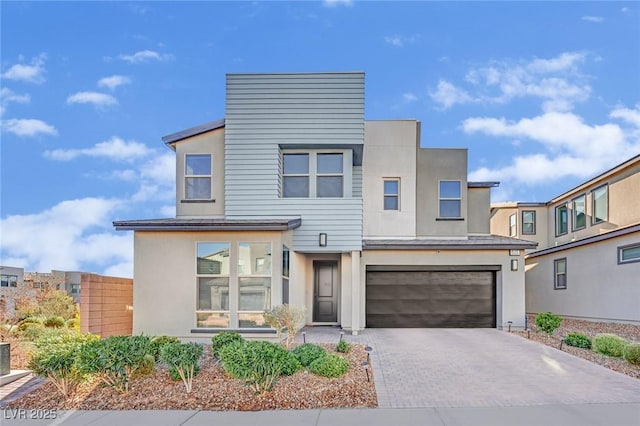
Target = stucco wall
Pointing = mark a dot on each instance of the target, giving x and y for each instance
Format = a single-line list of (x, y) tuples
[(499, 223), (509, 284), (106, 305), (595, 289), (478, 210)]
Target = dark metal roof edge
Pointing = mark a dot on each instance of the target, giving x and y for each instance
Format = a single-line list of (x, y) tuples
[(586, 241), (192, 131), (251, 226), (426, 246), (491, 184)]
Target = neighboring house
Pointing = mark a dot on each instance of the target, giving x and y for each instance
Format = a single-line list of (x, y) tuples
[(294, 198), (69, 281), (588, 260), (11, 280)]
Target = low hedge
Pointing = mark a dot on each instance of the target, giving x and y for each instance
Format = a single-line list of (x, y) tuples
[(609, 344), (631, 353)]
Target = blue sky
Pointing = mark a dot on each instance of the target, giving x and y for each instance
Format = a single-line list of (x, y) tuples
[(544, 95)]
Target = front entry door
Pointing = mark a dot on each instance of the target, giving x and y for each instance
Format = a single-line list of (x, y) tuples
[(325, 293)]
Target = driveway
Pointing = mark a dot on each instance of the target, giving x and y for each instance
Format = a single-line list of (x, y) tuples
[(479, 368)]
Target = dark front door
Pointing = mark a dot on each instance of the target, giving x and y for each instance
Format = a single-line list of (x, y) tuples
[(325, 293)]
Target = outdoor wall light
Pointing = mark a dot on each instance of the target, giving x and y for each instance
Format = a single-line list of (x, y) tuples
[(323, 239), (514, 264)]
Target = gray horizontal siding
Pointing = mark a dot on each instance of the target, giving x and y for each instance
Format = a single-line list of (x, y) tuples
[(356, 180)]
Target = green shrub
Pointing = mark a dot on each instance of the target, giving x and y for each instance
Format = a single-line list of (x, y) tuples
[(329, 366), (343, 346), (73, 324), (259, 364), (308, 353), (548, 322), (54, 322), (117, 359), (182, 358), (609, 344), (158, 341), (222, 339), (287, 320), (55, 359), (631, 353), (578, 340), (175, 375)]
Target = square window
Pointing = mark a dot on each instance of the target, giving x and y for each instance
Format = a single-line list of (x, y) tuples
[(295, 186), (450, 198), (329, 164), (296, 164), (329, 186)]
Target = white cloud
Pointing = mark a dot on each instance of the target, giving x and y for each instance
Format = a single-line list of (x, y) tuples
[(409, 97), (95, 98), (336, 3), (145, 56), (447, 95), (631, 116), (115, 149), (157, 179), (32, 73), (7, 95), (113, 81), (562, 62), (28, 127), (67, 236), (596, 19)]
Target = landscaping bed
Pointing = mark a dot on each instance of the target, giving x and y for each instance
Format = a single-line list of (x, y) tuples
[(630, 332), (213, 389)]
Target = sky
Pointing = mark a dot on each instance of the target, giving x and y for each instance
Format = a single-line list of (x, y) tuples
[(544, 95)]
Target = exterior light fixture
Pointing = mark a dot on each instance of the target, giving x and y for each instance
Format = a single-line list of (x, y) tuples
[(514, 264), (322, 241)]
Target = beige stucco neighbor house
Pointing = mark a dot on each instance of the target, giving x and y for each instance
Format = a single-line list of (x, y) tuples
[(587, 264), (294, 198)]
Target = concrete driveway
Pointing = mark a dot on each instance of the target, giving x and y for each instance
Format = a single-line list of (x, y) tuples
[(479, 368)]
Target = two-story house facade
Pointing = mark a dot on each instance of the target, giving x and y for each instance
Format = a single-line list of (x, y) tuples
[(294, 198), (588, 258)]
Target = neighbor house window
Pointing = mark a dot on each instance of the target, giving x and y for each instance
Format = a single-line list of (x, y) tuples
[(600, 207), (528, 222), (450, 198), (392, 194), (75, 288), (212, 269), (254, 283), (629, 253), (329, 175), (285, 274), (9, 281), (560, 274), (513, 225), (579, 208), (562, 220), (197, 177), (295, 175)]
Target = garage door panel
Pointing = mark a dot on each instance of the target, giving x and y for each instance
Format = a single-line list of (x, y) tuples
[(430, 299)]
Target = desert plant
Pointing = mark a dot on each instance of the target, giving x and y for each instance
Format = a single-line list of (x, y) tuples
[(548, 322), (287, 320), (609, 344), (631, 353), (73, 324), (117, 359), (183, 359), (259, 364), (578, 340), (222, 339), (54, 322), (343, 346), (308, 353), (329, 366), (157, 342)]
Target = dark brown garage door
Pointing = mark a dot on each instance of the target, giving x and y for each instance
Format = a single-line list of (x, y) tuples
[(431, 299)]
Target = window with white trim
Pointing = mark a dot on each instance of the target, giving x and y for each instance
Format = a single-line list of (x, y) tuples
[(528, 222), (329, 175), (450, 199), (579, 212), (560, 274), (295, 176), (600, 204), (286, 259), (197, 177), (513, 225), (314, 174), (629, 253), (212, 275), (391, 194)]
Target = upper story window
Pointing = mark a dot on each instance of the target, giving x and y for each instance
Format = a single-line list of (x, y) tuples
[(600, 207), (513, 225), (329, 176), (197, 177), (529, 222), (450, 198), (295, 175), (579, 208), (629, 253), (9, 281), (560, 274), (562, 220), (392, 194)]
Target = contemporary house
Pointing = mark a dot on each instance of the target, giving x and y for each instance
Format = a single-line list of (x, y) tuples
[(587, 262), (294, 198), (11, 278)]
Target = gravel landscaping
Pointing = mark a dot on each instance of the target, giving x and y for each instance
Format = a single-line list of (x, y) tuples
[(213, 389), (630, 332)]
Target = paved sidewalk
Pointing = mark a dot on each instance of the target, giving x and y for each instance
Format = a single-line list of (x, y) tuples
[(551, 415)]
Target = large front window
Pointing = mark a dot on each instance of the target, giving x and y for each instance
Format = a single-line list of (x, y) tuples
[(197, 177), (213, 285), (600, 197), (562, 220), (450, 198), (254, 283)]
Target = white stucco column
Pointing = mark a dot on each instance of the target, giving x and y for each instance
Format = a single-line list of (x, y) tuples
[(355, 293)]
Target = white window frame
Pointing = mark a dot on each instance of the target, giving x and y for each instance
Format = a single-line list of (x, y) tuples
[(346, 174), (556, 285), (252, 275), (440, 199), (227, 276), (318, 174), (533, 222), (621, 250), (513, 225), (594, 220), (307, 175), (188, 176), (390, 195)]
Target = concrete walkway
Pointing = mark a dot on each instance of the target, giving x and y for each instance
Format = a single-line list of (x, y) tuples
[(565, 415)]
